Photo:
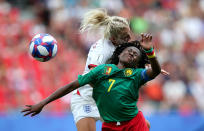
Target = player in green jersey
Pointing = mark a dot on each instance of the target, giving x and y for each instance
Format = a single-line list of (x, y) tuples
[(115, 86)]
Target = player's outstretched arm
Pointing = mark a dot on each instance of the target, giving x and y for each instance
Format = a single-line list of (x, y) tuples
[(37, 108), (163, 72), (147, 45)]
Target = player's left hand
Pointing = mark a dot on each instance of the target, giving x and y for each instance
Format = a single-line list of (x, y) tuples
[(33, 109), (146, 41), (163, 72)]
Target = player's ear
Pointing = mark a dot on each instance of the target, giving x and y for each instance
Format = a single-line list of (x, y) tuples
[(112, 39), (119, 56)]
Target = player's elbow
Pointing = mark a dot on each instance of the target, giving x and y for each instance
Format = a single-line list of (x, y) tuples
[(158, 71), (155, 73)]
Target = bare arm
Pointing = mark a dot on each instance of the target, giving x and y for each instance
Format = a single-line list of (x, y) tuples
[(36, 109), (155, 69), (61, 92), (163, 72)]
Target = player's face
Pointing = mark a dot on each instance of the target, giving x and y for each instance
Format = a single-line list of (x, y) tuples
[(123, 36), (130, 56)]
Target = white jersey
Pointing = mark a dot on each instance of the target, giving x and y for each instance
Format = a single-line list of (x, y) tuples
[(99, 53)]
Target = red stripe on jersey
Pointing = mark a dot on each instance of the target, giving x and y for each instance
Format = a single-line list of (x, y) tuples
[(78, 93), (91, 66)]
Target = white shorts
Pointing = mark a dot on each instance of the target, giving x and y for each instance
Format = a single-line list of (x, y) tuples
[(83, 108)]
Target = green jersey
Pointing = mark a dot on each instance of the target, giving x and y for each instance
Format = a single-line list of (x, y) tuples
[(115, 90)]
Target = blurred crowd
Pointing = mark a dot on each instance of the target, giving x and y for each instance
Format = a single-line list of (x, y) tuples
[(177, 27)]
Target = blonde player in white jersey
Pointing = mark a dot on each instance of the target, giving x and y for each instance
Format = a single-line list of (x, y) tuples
[(116, 31)]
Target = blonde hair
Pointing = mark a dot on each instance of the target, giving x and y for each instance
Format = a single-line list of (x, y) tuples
[(97, 18)]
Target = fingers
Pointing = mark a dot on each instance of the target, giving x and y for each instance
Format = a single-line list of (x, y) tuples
[(142, 35), (28, 113), (150, 37), (26, 109), (163, 72), (35, 113), (146, 37)]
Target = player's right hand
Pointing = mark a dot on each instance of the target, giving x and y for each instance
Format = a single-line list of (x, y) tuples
[(32, 109), (146, 41)]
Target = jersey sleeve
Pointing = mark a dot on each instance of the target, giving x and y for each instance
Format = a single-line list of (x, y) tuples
[(96, 56), (143, 77), (91, 76), (96, 59)]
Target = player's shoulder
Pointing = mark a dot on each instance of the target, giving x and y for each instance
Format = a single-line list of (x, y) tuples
[(110, 68), (101, 43), (138, 71), (104, 66), (99, 67), (98, 43), (96, 47), (110, 65)]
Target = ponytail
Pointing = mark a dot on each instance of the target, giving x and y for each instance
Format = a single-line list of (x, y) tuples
[(94, 19), (98, 18)]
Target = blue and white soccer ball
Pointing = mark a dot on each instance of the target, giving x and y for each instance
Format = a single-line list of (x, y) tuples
[(43, 47)]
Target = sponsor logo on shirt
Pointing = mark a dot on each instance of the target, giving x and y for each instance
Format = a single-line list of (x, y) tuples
[(87, 108), (128, 72)]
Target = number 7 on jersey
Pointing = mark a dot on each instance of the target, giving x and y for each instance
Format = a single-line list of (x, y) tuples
[(111, 85)]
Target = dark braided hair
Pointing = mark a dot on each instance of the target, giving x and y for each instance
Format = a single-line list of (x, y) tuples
[(119, 49)]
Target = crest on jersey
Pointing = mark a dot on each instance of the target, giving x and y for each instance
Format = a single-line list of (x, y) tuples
[(107, 70), (128, 72), (87, 108)]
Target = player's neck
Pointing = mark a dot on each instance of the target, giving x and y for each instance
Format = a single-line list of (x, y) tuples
[(113, 41), (123, 65), (120, 66)]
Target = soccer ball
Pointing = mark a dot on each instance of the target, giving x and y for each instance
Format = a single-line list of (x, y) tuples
[(43, 47)]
